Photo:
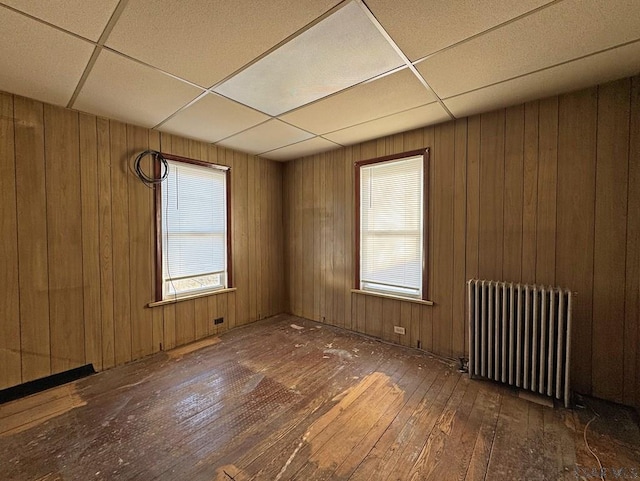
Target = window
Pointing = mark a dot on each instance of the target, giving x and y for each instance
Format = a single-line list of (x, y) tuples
[(391, 233), (193, 229)]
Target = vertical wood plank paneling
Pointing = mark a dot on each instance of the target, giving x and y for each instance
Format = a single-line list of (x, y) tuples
[(157, 330), (320, 229), (90, 239), (225, 157), (632, 291), (222, 306), (530, 193), (442, 200), (339, 243), (575, 220), (142, 235), (298, 238), (33, 262), (263, 237), (328, 218), (10, 348), (252, 281), (307, 238), (547, 186), (612, 169), (473, 197), (121, 241), (349, 222), (513, 193), (421, 336), (240, 235), (316, 245), (373, 316), (106, 242), (266, 238), (287, 223), (64, 238), (278, 302), (459, 321), (491, 195)]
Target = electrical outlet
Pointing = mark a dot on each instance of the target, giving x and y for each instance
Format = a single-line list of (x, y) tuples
[(399, 330), (219, 320)]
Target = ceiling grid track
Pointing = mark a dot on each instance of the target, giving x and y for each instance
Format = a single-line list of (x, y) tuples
[(98, 48), (405, 59)]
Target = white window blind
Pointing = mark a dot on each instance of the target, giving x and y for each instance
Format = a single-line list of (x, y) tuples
[(194, 229), (391, 226)]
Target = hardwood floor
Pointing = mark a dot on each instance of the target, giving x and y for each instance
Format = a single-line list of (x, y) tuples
[(288, 398)]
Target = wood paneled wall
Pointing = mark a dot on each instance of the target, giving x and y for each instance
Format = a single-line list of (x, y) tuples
[(77, 243), (547, 192)]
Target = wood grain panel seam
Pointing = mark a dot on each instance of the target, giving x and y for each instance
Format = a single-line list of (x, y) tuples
[(15, 193), (82, 235), (46, 218)]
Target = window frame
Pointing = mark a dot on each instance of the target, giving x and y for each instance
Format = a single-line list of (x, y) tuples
[(159, 291), (425, 221)]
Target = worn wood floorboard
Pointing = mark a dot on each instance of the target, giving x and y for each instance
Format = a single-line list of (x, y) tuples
[(271, 401)]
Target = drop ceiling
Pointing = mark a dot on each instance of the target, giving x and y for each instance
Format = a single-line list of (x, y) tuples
[(288, 78)]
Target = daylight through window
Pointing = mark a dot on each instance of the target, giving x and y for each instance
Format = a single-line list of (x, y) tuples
[(194, 238), (392, 225)]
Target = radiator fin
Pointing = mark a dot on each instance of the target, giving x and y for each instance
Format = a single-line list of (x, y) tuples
[(520, 335)]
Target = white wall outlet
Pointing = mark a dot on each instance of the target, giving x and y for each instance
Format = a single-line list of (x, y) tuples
[(399, 330)]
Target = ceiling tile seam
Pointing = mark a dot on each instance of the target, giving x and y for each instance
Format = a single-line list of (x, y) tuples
[(264, 122), (333, 141), (240, 103), (281, 43), (115, 16), (405, 59), (85, 74), (359, 84), (295, 126), (489, 30), (48, 24), (157, 69), (299, 142), (377, 118), (559, 64), (200, 96), (244, 130)]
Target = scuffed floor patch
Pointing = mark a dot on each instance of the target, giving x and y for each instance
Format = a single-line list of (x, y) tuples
[(22, 414)]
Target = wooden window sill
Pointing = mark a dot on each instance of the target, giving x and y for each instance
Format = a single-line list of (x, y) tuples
[(192, 296), (395, 298)]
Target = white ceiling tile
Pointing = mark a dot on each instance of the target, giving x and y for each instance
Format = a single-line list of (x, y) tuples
[(83, 17), (558, 33), (212, 118), (371, 100), (421, 28), (273, 134), (411, 119), (306, 147), (39, 61), (338, 52), (204, 41), (599, 68), (125, 90)]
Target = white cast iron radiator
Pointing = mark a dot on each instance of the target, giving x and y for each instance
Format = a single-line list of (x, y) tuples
[(521, 335)]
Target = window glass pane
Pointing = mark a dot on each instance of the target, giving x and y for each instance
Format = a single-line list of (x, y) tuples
[(391, 226), (194, 221)]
